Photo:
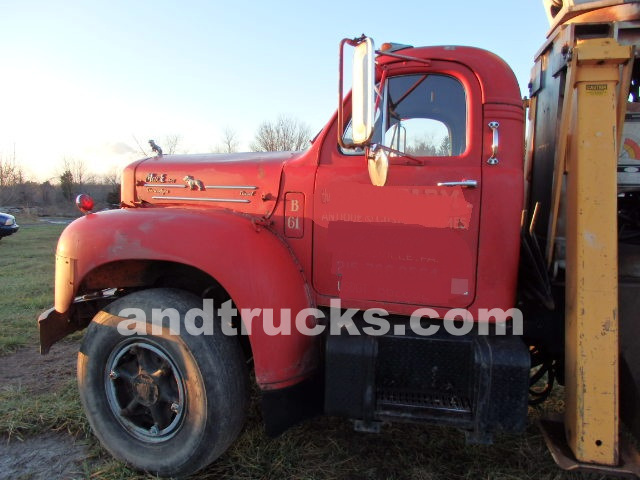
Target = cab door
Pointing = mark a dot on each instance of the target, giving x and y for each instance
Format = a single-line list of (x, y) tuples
[(415, 239)]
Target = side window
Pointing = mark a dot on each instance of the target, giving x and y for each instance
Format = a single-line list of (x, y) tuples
[(425, 115), (427, 137), (347, 136)]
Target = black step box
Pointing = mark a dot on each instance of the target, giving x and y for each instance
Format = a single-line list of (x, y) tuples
[(475, 382)]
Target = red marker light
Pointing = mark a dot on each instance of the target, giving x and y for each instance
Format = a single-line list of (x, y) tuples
[(385, 46), (84, 203)]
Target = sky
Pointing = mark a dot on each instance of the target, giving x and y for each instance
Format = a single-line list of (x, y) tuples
[(84, 80)]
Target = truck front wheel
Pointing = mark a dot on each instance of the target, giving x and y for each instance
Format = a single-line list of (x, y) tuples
[(163, 401)]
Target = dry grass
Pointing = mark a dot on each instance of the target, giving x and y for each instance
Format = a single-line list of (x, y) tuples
[(328, 448), (23, 414), (323, 448)]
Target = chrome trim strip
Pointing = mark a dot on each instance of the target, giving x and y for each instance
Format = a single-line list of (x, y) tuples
[(462, 183), (202, 199), (221, 187), (232, 187), (165, 185)]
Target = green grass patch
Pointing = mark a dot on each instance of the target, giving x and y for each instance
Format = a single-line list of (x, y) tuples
[(27, 261), (24, 414)]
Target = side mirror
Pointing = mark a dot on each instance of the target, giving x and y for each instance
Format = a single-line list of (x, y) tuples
[(362, 93), (378, 165)]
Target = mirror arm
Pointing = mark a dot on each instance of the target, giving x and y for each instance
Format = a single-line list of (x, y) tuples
[(380, 88), (340, 99), (375, 146), (404, 57)]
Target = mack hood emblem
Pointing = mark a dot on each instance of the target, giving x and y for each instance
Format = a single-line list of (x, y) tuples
[(192, 183), (159, 178)]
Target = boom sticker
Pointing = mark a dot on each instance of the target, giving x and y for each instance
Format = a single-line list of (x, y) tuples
[(596, 88), (631, 149)]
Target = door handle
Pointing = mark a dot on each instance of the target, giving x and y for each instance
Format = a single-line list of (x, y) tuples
[(462, 183), (493, 159)]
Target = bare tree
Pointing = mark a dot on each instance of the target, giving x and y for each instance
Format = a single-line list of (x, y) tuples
[(425, 146), (11, 178), (74, 175), (78, 170), (170, 143), (229, 141), (140, 149), (428, 145), (47, 192), (10, 172), (112, 180), (283, 134)]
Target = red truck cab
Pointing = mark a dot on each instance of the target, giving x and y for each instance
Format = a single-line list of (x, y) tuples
[(300, 230)]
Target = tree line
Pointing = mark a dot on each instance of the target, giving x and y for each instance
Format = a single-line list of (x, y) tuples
[(56, 195)]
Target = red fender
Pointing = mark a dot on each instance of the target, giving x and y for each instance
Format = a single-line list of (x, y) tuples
[(253, 265)]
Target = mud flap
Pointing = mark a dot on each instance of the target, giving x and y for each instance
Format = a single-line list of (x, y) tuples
[(286, 407)]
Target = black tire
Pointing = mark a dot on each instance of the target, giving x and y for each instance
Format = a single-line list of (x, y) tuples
[(163, 403)]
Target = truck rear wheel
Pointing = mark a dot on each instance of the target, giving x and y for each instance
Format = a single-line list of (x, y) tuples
[(164, 403)]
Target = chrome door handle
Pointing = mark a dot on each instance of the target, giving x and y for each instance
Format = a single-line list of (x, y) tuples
[(463, 183), (493, 159)]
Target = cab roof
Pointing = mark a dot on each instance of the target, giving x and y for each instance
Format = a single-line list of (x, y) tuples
[(497, 81)]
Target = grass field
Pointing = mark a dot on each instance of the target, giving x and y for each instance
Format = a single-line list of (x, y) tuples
[(26, 282), (323, 448)]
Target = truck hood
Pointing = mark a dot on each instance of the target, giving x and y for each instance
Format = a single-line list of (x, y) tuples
[(246, 182)]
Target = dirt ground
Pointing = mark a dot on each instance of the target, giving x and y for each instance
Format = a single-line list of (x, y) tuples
[(54, 454), (37, 373)]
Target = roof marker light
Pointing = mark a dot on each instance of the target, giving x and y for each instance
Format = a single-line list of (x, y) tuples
[(389, 47)]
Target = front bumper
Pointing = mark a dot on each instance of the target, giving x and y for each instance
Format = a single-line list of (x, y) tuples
[(5, 231), (54, 326)]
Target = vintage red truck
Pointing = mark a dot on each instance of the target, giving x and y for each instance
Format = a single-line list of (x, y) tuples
[(424, 211)]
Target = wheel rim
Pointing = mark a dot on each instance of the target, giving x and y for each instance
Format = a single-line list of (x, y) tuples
[(145, 390)]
